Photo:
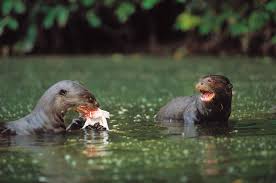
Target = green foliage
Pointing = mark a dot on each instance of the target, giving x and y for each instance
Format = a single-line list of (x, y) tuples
[(181, 1), (198, 16), (273, 39), (8, 22), (149, 4), (59, 13), (271, 6), (8, 6), (87, 3), (124, 10), (186, 21), (238, 28), (226, 17), (26, 45), (108, 3), (93, 19), (257, 20), (211, 23)]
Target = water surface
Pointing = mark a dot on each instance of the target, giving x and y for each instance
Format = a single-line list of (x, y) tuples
[(136, 149)]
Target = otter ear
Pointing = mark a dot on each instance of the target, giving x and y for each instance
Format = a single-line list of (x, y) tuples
[(62, 92)]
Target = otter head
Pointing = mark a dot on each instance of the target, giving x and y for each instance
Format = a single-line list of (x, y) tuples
[(214, 87), (65, 95)]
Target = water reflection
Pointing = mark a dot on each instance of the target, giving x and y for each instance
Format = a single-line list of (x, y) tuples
[(95, 143), (189, 130), (210, 165), (241, 128), (44, 158), (88, 137), (32, 140)]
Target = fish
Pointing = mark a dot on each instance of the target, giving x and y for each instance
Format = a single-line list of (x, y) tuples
[(93, 116), (98, 116)]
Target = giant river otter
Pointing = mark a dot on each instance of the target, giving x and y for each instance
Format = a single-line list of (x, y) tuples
[(48, 114), (212, 105)]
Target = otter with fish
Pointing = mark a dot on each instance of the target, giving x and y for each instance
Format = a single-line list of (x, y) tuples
[(48, 114), (211, 106)]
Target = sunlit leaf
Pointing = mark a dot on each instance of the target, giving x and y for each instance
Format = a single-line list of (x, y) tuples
[(27, 44), (186, 21), (149, 4), (93, 19), (49, 19), (238, 28), (6, 6), (12, 23), (124, 10), (62, 16), (19, 7)]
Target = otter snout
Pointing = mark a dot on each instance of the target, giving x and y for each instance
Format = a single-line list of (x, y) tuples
[(90, 100), (96, 104), (203, 86)]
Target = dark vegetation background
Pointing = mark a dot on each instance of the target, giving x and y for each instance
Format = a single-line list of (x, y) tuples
[(176, 27)]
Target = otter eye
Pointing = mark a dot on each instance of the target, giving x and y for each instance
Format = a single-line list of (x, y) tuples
[(62, 92), (209, 80), (90, 99)]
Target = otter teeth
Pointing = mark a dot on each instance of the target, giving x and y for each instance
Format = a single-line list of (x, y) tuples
[(206, 96)]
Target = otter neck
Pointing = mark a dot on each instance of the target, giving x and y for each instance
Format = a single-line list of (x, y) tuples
[(48, 119), (215, 107)]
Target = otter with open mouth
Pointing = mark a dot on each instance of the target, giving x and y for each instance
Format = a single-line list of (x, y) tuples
[(212, 105), (48, 114)]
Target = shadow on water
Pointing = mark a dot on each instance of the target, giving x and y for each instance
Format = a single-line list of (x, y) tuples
[(232, 129), (178, 128)]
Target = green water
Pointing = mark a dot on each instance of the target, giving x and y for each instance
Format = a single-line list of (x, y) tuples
[(136, 149)]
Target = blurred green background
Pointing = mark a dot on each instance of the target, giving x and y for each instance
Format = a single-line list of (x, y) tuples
[(174, 27)]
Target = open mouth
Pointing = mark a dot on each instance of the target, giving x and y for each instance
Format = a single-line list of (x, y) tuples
[(206, 96)]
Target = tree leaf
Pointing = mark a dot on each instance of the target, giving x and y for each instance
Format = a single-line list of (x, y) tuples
[(186, 21), (19, 7), (257, 20), (109, 3), (62, 15), (93, 19), (87, 3), (27, 44), (124, 11), (271, 6), (238, 28), (149, 4), (6, 7), (49, 19), (273, 39), (181, 1), (12, 23)]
